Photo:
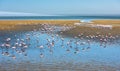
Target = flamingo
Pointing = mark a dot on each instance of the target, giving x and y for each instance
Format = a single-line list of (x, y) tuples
[(8, 39)]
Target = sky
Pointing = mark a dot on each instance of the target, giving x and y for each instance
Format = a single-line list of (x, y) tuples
[(60, 7)]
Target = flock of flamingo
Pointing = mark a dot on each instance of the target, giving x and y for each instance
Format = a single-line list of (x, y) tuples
[(16, 45)]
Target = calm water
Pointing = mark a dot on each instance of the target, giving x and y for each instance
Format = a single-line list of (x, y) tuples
[(40, 52), (56, 17)]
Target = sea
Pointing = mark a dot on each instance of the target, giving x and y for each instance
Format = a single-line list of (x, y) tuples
[(56, 17)]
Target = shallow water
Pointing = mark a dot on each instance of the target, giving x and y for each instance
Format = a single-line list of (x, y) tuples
[(60, 57)]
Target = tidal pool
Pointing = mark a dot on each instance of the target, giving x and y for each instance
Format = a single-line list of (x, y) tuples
[(43, 51)]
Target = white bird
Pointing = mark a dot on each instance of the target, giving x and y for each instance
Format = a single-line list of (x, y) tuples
[(8, 39), (41, 47)]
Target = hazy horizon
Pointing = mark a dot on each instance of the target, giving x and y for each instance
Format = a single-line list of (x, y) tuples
[(59, 7), (2, 13)]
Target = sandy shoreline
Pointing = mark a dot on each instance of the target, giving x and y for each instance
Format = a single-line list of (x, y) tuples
[(86, 29), (15, 24)]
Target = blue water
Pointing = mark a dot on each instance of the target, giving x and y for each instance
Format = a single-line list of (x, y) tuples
[(96, 53), (55, 17)]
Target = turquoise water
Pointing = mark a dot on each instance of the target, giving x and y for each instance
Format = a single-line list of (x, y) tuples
[(61, 52), (56, 17)]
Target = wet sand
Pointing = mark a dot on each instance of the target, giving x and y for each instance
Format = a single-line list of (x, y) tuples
[(91, 31), (88, 66), (115, 23), (23, 25), (87, 28), (19, 24)]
